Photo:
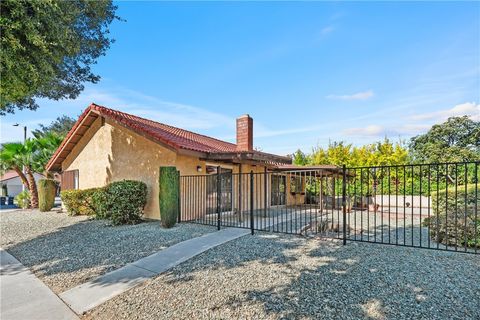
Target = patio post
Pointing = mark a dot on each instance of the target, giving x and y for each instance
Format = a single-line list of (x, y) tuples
[(251, 201), (344, 203), (219, 197)]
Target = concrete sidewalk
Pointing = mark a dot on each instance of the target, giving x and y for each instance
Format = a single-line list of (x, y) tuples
[(95, 292), (24, 296)]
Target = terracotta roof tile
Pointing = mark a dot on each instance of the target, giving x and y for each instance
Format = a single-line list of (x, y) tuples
[(176, 137), (172, 136)]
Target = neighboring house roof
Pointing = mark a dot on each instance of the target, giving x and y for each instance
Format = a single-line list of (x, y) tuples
[(175, 138), (11, 174)]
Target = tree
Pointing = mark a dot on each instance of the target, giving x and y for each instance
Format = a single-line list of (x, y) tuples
[(299, 158), (32, 155), (456, 140), (48, 48), (60, 127), (11, 159), (376, 154)]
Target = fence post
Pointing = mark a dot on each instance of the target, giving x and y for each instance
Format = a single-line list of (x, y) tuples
[(219, 197), (265, 176), (251, 202), (344, 203), (179, 198)]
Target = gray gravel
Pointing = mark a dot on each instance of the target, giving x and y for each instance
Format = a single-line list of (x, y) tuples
[(277, 276), (66, 251)]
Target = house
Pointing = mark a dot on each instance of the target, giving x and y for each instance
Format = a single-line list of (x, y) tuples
[(11, 184), (107, 145)]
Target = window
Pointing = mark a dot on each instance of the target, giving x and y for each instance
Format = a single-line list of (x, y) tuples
[(70, 180), (296, 184)]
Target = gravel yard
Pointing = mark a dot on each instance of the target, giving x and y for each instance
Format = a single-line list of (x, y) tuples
[(277, 276), (66, 251)]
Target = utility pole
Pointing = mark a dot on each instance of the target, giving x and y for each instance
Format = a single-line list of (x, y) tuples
[(24, 140)]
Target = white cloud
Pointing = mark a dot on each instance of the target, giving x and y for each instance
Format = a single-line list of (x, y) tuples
[(172, 113), (9, 133), (471, 109), (371, 130), (390, 131), (326, 30), (356, 96)]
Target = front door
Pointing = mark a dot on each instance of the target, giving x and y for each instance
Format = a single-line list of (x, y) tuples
[(278, 193), (225, 190)]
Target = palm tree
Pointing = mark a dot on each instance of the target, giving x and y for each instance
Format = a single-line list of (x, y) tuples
[(11, 160), (33, 155), (45, 146)]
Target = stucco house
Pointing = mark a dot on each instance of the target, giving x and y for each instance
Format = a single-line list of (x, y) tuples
[(107, 145)]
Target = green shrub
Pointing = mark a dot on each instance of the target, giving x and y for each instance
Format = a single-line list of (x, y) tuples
[(168, 196), (23, 199), (124, 201), (451, 223), (46, 194), (99, 203), (79, 202)]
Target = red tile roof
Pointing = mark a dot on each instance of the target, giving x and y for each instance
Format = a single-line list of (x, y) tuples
[(174, 137), (8, 175)]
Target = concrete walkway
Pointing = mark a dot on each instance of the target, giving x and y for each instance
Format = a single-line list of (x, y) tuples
[(93, 293), (24, 296)]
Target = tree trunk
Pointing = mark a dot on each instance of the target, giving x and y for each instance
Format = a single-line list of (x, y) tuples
[(33, 188), (22, 177)]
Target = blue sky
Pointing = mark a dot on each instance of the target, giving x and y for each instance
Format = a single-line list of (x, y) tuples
[(308, 73)]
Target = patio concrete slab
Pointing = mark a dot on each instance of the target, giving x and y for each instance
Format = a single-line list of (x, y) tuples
[(24, 296), (97, 291)]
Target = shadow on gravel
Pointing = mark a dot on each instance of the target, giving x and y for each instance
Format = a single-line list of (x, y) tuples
[(378, 283), (75, 253), (357, 281)]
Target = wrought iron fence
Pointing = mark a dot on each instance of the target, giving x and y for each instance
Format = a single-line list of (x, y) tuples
[(431, 206)]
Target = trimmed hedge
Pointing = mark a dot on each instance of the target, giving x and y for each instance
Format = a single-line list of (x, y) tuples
[(124, 201), (168, 196), (79, 202), (452, 225), (46, 194), (121, 202)]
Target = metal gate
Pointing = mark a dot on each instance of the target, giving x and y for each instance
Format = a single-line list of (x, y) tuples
[(432, 206)]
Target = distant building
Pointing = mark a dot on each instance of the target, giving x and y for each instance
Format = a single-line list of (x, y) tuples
[(11, 184)]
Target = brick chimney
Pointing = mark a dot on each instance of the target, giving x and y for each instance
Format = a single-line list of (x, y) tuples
[(245, 133)]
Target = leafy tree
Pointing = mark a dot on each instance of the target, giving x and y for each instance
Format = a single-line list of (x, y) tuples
[(299, 158), (60, 127), (376, 154), (456, 140), (48, 48)]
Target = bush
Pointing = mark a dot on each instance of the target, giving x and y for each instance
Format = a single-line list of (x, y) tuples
[(445, 224), (46, 194), (23, 199), (79, 202), (124, 201), (99, 203), (168, 196)]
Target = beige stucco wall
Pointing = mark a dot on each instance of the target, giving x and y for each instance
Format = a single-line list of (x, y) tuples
[(112, 153), (90, 156)]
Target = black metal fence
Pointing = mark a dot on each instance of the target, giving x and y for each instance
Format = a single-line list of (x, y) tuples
[(431, 206)]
